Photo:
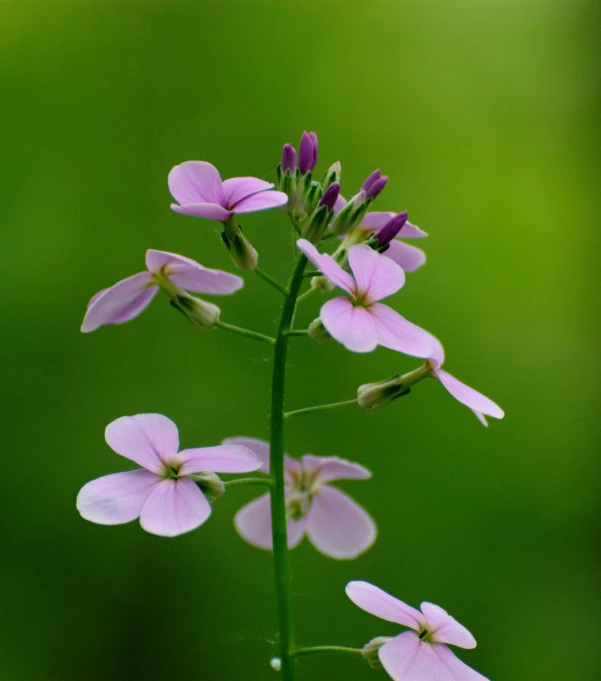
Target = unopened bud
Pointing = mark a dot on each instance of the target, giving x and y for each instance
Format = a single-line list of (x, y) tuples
[(321, 283), (351, 214), (371, 651), (210, 484), (315, 228), (317, 331), (392, 228), (201, 313), (243, 254), (370, 179), (332, 175), (376, 188), (374, 396), (330, 196), (313, 197), (307, 154), (276, 664), (288, 159)]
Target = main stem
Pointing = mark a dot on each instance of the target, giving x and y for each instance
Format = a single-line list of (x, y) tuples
[(281, 560)]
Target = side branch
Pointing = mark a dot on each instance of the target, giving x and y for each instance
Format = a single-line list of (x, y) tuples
[(271, 281), (246, 332), (249, 481), (320, 407), (325, 649)]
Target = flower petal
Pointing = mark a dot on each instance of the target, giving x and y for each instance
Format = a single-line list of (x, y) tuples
[(259, 448), (190, 275), (327, 266), (238, 188), (396, 333), (253, 523), (446, 628), (437, 355), (219, 459), (452, 668), (261, 201), (174, 507), (377, 602), (210, 211), (337, 526), (376, 275), (351, 325), (376, 220), (408, 257), (196, 182), (329, 468), (476, 401), (411, 231), (117, 498), (148, 439), (120, 303)]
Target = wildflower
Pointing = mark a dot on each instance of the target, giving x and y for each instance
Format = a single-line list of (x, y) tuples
[(175, 274), (360, 322), (421, 654), (335, 524), (164, 493)]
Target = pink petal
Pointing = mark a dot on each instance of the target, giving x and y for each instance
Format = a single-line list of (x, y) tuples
[(174, 507), (148, 439), (329, 468), (437, 356), (210, 211), (375, 221), (259, 448), (376, 275), (468, 396), (408, 257), (396, 333), (120, 303), (337, 526), (351, 325), (480, 416), (253, 523), (339, 204), (446, 628), (261, 201), (452, 668), (219, 459), (190, 275), (238, 188), (377, 602), (411, 231), (327, 266), (117, 498), (196, 182)]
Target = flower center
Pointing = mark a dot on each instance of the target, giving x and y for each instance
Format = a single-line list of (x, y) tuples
[(425, 634), (171, 470), (299, 496)]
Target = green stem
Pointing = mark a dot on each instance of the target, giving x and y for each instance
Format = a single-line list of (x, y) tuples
[(326, 649), (249, 481), (320, 407), (312, 273), (306, 294), (297, 332), (245, 332), (281, 559), (270, 280)]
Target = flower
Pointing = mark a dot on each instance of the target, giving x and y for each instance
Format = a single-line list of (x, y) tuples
[(200, 192), (421, 654), (360, 322), (163, 493), (129, 298), (335, 524)]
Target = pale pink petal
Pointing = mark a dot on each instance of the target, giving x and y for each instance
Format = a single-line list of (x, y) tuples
[(452, 668), (292, 468), (437, 356), (253, 523), (148, 439), (376, 220), (210, 211), (259, 448), (238, 188), (196, 182), (377, 602), (351, 325), (174, 507), (446, 628), (408, 257), (376, 275), (117, 498), (480, 416), (396, 333), (261, 201), (411, 231), (120, 303), (468, 396), (329, 468), (219, 459), (337, 526), (327, 266), (190, 275), (339, 204)]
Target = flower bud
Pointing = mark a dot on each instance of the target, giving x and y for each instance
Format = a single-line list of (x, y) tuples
[(317, 331), (201, 313), (315, 228), (243, 254), (276, 664), (314, 196), (374, 396), (370, 651), (330, 196), (351, 214), (370, 179), (392, 228), (288, 159), (307, 154), (210, 484), (332, 175), (374, 184), (322, 284)]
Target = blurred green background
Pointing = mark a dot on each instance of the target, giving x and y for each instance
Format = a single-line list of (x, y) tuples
[(485, 117)]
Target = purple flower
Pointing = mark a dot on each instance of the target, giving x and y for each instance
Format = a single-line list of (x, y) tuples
[(128, 298), (392, 228), (360, 322), (307, 152), (288, 158), (330, 196), (421, 654), (163, 493), (198, 188), (335, 524), (374, 184)]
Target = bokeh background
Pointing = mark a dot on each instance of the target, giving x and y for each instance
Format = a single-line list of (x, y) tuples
[(485, 117)]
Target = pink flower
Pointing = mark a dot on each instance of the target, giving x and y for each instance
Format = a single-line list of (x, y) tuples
[(421, 654), (360, 322), (163, 493), (481, 405), (198, 188), (130, 297), (335, 524)]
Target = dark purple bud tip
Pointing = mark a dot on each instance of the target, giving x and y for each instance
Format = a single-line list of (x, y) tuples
[(330, 196), (371, 179), (392, 228), (376, 187), (288, 158), (307, 153)]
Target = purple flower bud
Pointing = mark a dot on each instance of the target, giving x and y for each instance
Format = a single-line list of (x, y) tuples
[(392, 228), (288, 158), (307, 154), (371, 179), (330, 196), (376, 187)]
